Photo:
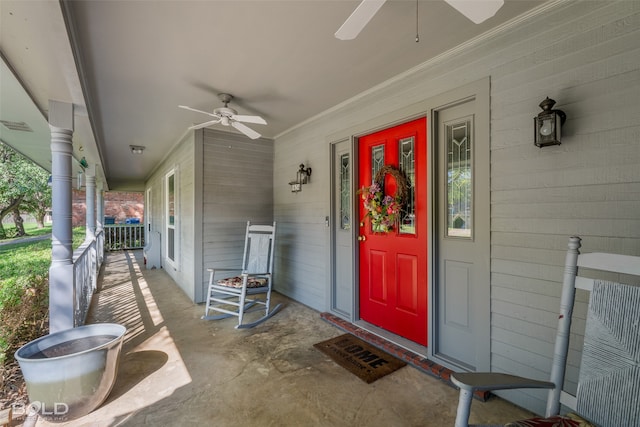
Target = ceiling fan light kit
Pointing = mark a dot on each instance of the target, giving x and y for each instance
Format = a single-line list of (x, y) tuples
[(477, 11), (228, 117)]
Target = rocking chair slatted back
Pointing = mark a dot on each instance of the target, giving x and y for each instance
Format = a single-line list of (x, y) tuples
[(610, 369), (258, 249)]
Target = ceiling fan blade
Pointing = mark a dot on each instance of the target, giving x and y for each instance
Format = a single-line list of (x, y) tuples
[(204, 125), (197, 111), (249, 119), (246, 130), (477, 11), (358, 19)]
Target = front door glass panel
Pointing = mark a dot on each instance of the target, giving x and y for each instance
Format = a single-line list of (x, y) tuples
[(377, 160), (406, 150), (377, 163)]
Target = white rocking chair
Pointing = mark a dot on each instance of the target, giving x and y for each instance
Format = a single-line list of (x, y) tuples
[(255, 278), (609, 378)]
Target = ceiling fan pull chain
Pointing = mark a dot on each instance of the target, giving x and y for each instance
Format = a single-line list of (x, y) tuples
[(417, 35)]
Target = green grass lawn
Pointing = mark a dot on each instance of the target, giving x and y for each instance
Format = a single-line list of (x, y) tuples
[(21, 261)]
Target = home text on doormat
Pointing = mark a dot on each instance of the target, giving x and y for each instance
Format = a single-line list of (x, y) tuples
[(360, 358)]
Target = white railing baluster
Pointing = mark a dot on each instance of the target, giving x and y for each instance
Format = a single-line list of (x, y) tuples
[(123, 236), (85, 274)]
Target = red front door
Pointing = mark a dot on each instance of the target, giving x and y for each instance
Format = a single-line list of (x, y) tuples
[(393, 264)]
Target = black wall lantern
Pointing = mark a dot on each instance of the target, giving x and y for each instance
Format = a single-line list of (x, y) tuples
[(302, 177), (548, 124)]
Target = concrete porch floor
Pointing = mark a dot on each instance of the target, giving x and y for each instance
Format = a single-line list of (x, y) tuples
[(178, 370)]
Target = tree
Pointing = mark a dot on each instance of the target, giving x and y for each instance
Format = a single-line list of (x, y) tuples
[(38, 201), (23, 185)]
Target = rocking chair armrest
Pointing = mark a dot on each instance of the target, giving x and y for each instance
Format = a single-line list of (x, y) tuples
[(485, 381), (495, 381), (236, 269)]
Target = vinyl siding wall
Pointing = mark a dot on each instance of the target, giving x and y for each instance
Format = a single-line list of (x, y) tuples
[(583, 54), (181, 159), (302, 250), (237, 187)]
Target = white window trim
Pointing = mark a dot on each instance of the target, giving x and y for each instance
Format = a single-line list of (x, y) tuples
[(175, 263), (147, 210)]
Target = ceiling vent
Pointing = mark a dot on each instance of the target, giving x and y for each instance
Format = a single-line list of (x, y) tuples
[(19, 126)]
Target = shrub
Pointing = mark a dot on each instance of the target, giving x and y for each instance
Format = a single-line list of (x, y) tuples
[(26, 320)]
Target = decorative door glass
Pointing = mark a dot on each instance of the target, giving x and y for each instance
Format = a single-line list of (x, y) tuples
[(345, 193), (406, 150), (377, 163), (459, 179), (377, 160)]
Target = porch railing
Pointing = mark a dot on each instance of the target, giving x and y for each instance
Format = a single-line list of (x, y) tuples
[(85, 278), (123, 236), (88, 259)]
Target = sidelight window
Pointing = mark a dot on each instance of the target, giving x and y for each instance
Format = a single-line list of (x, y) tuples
[(459, 178)]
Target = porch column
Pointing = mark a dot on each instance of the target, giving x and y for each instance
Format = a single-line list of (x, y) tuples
[(90, 195), (61, 279), (100, 207), (99, 225)]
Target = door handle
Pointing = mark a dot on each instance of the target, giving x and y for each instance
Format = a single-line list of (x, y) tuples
[(362, 238)]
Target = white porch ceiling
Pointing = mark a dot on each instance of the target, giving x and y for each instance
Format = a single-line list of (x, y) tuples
[(138, 60)]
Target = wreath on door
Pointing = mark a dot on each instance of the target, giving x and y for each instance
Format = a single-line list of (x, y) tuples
[(384, 210)]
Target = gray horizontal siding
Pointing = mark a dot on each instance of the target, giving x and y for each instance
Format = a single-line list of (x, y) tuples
[(181, 159), (299, 270), (302, 251), (237, 186)]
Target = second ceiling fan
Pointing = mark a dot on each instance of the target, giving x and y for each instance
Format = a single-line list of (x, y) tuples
[(477, 11), (228, 117)]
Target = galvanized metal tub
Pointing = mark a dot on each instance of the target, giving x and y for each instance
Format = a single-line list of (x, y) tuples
[(70, 373)]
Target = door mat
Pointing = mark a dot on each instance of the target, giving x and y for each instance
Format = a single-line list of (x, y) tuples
[(367, 362)]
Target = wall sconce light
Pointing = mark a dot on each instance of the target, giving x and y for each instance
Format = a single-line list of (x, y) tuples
[(79, 181), (548, 124), (136, 149), (302, 177)]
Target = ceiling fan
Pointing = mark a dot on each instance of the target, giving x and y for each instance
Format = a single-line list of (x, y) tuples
[(228, 116), (477, 11)]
